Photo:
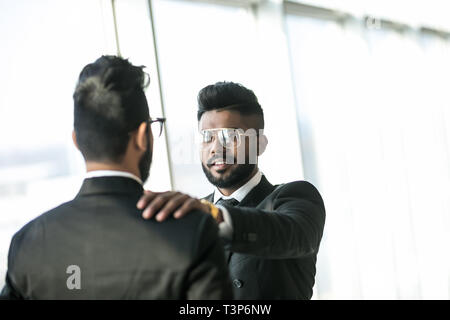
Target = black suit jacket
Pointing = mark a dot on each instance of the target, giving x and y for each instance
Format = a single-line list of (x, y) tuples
[(120, 255), (276, 236)]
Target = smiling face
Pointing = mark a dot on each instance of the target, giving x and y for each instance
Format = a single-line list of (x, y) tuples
[(229, 168)]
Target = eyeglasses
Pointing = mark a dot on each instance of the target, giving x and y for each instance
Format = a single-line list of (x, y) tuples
[(157, 126), (228, 137)]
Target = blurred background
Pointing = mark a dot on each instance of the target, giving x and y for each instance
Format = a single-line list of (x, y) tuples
[(356, 100)]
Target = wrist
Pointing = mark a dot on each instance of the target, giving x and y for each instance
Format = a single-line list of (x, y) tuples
[(214, 211)]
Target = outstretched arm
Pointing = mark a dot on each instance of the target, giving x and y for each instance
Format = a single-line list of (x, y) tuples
[(290, 225)]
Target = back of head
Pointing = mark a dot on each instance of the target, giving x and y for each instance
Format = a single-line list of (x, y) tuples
[(109, 103), (229, 96)]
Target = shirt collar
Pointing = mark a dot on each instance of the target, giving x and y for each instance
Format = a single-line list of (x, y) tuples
[(111, 173), (240, 193)]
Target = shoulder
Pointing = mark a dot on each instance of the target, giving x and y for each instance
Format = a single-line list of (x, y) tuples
[(188, 228), (206, 229), (298, 191), (298, 194), (300, 187), (33, 231), (191, 234), (199, 223)]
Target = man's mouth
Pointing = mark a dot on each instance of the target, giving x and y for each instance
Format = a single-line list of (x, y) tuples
[(219, 165)]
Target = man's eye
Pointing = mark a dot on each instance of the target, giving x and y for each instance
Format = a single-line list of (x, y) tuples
[(207, 137), (232, 137)]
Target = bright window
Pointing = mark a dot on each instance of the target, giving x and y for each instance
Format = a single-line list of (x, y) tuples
[(198, 44), (374, 122), (44, 46)]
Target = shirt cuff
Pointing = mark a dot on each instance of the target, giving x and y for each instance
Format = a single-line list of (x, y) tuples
[(226, 226)]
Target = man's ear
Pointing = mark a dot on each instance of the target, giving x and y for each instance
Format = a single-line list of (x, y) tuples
[(262, 144), (141, 136), (74, 139)]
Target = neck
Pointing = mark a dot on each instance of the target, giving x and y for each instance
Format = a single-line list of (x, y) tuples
[(95, 166), (229, 191)]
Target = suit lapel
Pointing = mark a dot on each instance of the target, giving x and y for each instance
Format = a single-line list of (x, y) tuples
[(257, 194)]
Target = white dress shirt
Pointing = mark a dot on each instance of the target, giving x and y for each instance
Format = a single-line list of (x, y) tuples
[(111, 173), (226, 227)]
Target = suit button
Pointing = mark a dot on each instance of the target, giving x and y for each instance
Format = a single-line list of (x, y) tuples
[(237, 283)]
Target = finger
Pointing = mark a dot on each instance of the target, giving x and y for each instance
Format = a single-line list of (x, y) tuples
[(185, 208), (171, 206), (156, 204), (146, 198)]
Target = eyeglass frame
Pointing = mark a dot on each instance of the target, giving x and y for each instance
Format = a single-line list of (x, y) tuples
[(221, 129), (160, 120)]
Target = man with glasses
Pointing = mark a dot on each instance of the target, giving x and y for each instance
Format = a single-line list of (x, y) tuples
[(271, 233), (97, 246)]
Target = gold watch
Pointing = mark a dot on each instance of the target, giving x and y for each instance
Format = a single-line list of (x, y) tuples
[(213, 210)]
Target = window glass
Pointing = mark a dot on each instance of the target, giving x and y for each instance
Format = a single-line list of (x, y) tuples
[(373, 113), (198, 44), (45, 44)]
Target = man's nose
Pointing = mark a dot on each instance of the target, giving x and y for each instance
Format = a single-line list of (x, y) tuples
[(216, 147)]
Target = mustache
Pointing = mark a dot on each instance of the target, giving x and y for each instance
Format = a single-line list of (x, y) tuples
[(221, 157), (214, 158)]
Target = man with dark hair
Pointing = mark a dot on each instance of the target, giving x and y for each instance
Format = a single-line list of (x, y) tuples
[(271, 233), (97, 246)]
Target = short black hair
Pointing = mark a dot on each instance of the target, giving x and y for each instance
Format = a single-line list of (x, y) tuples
[(109, 102), (229, 95)]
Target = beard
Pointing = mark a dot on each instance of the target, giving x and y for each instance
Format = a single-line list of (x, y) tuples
[(145, 162), (238, 174)]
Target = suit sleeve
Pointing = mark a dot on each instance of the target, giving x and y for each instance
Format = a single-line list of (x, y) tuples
[(289, 226), (208, 278), (23, 254), (10, 291)]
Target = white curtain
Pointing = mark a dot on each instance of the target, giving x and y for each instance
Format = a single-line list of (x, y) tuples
[(374, 117)]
